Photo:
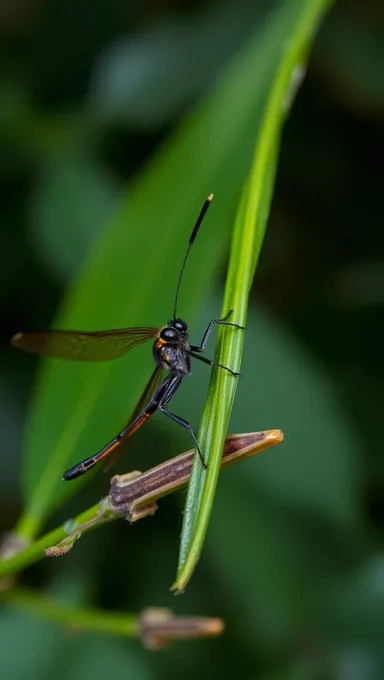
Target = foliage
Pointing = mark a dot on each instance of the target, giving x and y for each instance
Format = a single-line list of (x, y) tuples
[(113, 130)]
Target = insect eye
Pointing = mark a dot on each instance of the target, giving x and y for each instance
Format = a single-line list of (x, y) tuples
[(180, 325), (169, 334)]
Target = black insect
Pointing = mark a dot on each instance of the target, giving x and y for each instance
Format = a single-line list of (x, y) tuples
[(171, 350)]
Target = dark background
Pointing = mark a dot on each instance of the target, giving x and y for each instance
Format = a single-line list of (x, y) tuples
[(294, 560)]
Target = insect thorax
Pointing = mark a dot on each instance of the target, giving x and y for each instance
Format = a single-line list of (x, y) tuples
[(173, 358)]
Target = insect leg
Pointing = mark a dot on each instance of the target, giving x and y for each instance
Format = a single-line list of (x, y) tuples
[(174, 384), (220, 322), (214, 363), (152, 406)]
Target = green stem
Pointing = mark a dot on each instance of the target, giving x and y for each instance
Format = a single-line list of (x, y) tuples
[(132, 496), (154, 627), (126, 625), (36, 550), (247, 240)]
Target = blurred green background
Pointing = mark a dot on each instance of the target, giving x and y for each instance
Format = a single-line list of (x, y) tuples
[(294, 560)]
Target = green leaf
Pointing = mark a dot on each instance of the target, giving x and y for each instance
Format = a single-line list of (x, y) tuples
[(272, 564), (351, 59), (284, 387), (130, 277), (283, 521), (89, 654), (149, 77), (70, 208), (98, 657), (44, 645), (287, 35), (352, 619), (294, 670), (316, 469)]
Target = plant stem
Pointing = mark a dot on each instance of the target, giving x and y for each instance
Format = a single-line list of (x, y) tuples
[(126, 625), (132, 496), (154, 627), (36, 550)]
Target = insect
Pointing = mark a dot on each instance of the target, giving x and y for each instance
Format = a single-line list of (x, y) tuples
[(171, 350)]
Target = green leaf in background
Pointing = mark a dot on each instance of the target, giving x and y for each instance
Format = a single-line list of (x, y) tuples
[(292, 29), (352, 51), (86, 655), (100, 656), (71, 206), (296, 670), (44, 639), (318, 469), (352, 620), (130, 277), (134, 78)]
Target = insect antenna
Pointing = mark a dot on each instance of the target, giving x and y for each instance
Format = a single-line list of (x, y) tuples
[(196, 228)]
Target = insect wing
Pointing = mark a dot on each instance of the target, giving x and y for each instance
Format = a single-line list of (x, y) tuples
[(82, 345), (153, 382)]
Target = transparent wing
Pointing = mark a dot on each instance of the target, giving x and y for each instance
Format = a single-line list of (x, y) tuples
[(150, 388), (82, 345)]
